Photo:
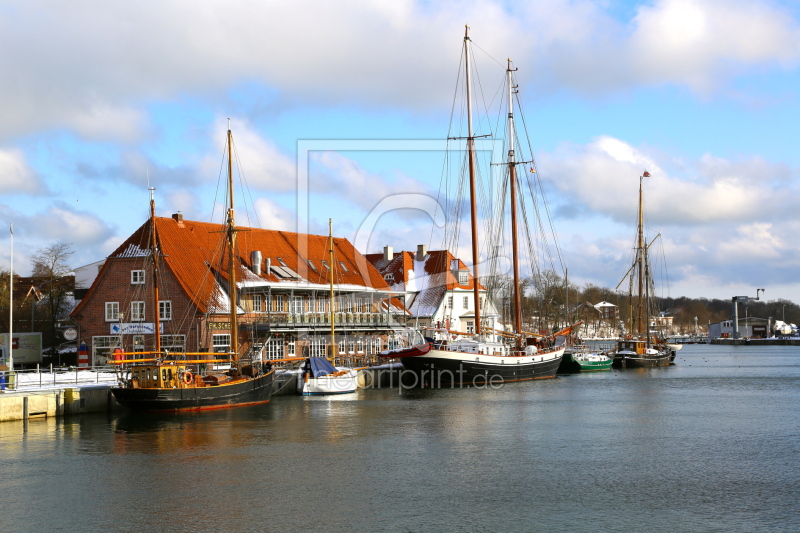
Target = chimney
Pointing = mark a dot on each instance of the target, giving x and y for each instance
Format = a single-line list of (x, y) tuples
[(422, 251), (178, 216), (268, 267), (255, 262), (388, 253)]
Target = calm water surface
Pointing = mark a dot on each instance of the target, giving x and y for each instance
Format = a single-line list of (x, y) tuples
[(710, 444)]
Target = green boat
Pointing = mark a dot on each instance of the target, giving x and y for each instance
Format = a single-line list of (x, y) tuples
[(592, 362), (578, 360)]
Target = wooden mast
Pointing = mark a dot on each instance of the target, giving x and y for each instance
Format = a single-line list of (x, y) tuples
[(334, 347), (512, 179), (231, 231), (154, 251), (640, 265), (472, 187)]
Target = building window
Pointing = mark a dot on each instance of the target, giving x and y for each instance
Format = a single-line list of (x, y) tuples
[(221, 342), (164, 310), (311, 264), (462, 278), (112, 311), (175, 343), (341, 263), (137, 311), (359, 305), (290, 346), (296, 305), (470, 326), (257, 307), (450, 301), (466, 302), (137, 277), (280, 260), (388, 277), (138, 343), (274, 349), (325, 264), (277, 304), (321, 305)]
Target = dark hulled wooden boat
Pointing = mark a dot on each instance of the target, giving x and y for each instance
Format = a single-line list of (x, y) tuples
[(170, 382)]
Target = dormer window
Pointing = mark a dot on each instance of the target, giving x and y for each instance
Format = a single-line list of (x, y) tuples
[(343, 267), (324, 264), (311, 264), (462, 277), (281, 261)]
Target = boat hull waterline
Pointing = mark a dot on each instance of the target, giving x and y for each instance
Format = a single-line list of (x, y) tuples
[(250, 391), (641, 361), (450, 368)]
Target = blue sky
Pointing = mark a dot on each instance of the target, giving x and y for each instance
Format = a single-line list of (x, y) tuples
[(702, 93)]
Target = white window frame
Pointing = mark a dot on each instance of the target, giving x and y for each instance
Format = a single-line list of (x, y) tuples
[(113, 315), (258, 306), (470, 326), (296, 305), (463, 279), (137, 277), (165, 310), (465, 301), (220, 341), (137, 312), (276, 304)]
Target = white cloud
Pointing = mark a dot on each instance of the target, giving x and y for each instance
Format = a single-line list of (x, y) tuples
[(273, 216), (602, 175), (263, 165), (92, 66), (345, 178), (694, 42), (17, 176)]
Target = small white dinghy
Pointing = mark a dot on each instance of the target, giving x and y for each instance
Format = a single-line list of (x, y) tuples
[(318, 376)]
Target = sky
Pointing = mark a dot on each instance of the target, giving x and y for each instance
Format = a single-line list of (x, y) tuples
[(338, 110)]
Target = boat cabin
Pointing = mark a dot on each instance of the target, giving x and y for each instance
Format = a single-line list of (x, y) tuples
[(160, 376), (634, 346)]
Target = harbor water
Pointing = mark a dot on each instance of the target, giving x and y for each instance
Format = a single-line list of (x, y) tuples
[(709, 444)]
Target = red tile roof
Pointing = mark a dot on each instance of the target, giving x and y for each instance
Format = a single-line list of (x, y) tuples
[(195, 251)]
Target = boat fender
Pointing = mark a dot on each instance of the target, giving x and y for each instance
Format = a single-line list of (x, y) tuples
[(187, 377)]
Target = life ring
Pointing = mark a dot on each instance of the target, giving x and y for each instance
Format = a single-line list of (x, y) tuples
[(187, 377)]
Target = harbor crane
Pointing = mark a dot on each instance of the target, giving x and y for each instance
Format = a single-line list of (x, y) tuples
[(735, 300)]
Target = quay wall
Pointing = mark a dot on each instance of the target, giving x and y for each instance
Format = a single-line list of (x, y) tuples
[(44, 403), (756, 342), (77, 400)]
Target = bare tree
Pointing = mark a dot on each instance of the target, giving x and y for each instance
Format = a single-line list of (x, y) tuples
[(56, 284)]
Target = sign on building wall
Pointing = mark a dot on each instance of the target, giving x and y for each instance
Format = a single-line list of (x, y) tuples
[(135, 328), (27, 347)]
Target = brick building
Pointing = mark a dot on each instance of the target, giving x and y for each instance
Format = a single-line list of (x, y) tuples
[(283, 294)]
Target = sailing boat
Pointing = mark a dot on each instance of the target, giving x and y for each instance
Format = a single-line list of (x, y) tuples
[(640, 349), (479, 358), (166, 383), (318, 375)]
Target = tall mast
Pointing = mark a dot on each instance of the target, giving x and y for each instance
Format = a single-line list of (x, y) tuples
[(472, 189), (154, 252), (231, 230), (640, 264), (11, 303), (512, 179), (334, 346)]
